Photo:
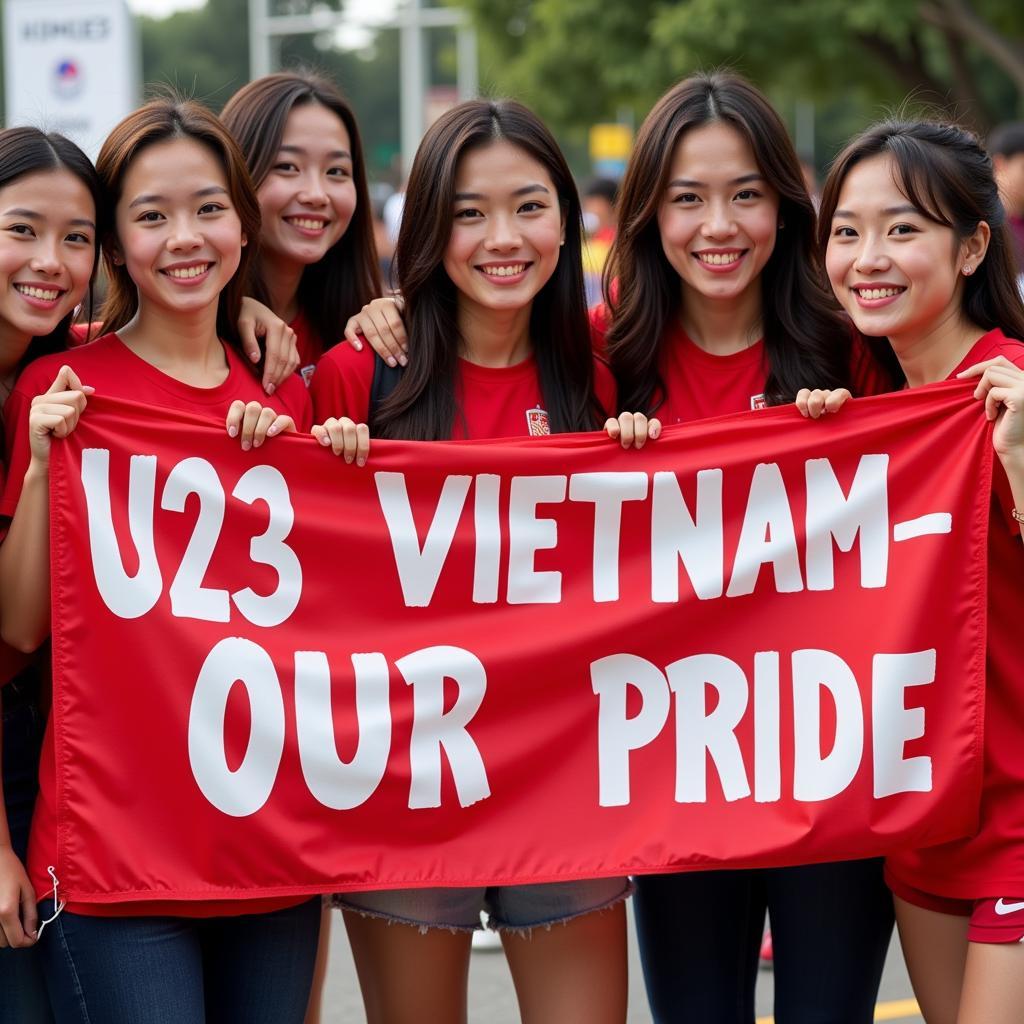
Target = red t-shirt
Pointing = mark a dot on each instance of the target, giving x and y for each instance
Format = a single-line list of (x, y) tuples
[(990, 863), (310, 346), (113, 369), (698, 384), (491, 401)]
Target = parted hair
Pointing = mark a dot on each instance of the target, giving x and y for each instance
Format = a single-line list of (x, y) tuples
[(163, 120), (348, 276), (422, 405), (28, 150), (807, 341), (945, 172)]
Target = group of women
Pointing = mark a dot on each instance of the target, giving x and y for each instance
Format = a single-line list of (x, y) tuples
[(725, 292)]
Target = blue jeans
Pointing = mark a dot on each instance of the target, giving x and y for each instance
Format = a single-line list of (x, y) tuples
[(700, 933), (251, 969), (23, 998)]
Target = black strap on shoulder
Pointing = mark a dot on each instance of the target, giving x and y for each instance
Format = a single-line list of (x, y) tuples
[(385, 380)]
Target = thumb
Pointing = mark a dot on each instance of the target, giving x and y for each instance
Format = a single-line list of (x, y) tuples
[(66, 380)]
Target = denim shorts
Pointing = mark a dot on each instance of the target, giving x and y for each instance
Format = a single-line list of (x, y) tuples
[(509, 907)]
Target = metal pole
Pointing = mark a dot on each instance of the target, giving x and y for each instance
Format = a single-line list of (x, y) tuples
[(466, 61), (413, 80), (259, 39)]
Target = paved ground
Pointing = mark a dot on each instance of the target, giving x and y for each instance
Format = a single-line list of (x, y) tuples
[(491, 999)]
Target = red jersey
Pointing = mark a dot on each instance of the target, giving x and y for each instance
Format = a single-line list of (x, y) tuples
[(698, 384), (990, 863), (490, 401), (108, 365), (310, 346)]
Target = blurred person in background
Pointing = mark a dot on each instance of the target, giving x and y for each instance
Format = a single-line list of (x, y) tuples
[(1006, 147)]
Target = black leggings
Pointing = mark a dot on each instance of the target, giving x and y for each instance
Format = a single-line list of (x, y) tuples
[(700, 933)]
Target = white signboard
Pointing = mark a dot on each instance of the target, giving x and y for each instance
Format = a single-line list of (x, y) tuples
[(70, 66)]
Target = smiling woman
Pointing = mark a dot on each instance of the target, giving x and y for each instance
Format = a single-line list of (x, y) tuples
[(317, 263), (177, 214)]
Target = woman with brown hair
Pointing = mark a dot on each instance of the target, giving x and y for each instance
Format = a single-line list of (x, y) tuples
[(716, 304), (489, 260), (178, 211), (917, 250), (317, 262)]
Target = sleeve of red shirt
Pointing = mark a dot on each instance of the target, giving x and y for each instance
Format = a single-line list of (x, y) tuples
[(294, 397), (18, 452), (342, 383), (600, 318)]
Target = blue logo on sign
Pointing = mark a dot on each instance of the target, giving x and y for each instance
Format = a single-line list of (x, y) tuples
[(67, 79)]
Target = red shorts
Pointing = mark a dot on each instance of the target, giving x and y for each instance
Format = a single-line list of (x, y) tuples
[(994, 919)]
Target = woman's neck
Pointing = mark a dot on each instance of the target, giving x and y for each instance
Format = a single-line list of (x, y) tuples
[(182, 345), (932, 354), (281, 279), (723, 326), (494, 338)]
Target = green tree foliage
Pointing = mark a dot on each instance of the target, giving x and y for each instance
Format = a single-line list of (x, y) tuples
[(580, 61), (205, 53)]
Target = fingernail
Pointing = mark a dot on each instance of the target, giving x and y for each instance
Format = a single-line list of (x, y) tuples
[(88, 389), (246, 446), (348, 459), (232, 431), (357, 345), (391, 360), (271, 388), (360, 461), (273, 430), (257, 442), (324, 439), (403, 360), (254, 355)]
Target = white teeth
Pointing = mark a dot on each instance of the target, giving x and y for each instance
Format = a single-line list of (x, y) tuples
[(717, 259), (306, 222), (47, 294), (878, 293), (517, 268), (184, 273)]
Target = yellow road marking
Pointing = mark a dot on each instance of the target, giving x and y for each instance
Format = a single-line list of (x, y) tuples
[(899, 1009)]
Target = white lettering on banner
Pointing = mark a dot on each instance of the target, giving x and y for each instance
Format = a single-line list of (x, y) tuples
[(528, 534), (696, 539), (244, 790), (692, 541), (607, 491), (335, 783), (130, 597), (703, 736), (834, 516)]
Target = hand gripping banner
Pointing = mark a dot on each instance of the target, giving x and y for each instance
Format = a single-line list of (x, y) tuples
[(758, 641)]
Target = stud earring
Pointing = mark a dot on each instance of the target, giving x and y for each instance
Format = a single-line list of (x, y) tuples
[(968, 270)]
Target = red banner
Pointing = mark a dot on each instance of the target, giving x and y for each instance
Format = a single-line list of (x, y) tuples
[(758, 641)]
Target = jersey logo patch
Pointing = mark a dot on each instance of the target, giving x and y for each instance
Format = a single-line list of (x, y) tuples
[(537, 422), (306, 373), (758, 402)]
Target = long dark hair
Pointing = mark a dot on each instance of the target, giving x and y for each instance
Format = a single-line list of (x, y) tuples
[(30, 151), (806, 340), (944, 171), (422, 406), (162, 120), (348, 276)]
